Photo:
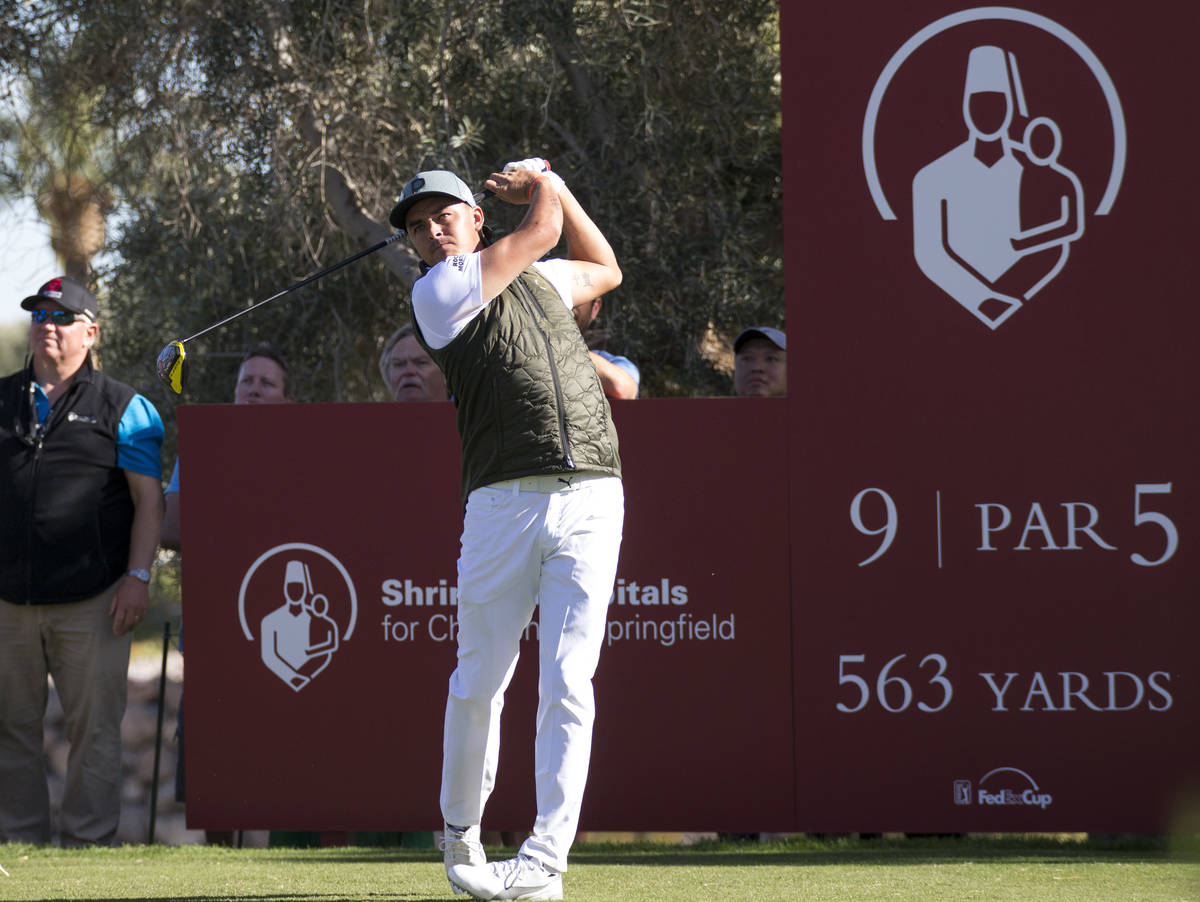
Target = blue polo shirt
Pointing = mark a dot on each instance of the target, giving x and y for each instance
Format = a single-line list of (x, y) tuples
[(624, 363), (139, 434)]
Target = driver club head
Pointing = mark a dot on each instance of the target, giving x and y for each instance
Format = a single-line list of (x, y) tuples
[(172, 366)]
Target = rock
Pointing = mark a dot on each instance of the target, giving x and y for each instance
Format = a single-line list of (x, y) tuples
[(132, 793), (141, 692), (54, 710), (138, 731), (171, 830), (144, 770), (57, 752), (138, 726)]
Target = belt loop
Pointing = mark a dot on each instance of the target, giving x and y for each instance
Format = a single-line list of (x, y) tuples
[(516, 490)]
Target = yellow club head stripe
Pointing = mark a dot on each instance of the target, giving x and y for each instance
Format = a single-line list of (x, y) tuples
[(170, 366)]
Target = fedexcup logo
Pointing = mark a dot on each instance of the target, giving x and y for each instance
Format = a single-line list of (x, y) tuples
[(299, 602), (997, 203), (1002, 786)]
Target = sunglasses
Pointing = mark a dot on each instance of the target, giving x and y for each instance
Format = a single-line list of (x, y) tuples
[(58, 317)]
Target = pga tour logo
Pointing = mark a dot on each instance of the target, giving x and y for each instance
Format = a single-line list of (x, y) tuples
[(1008, 132), (1002, 786), (299, 604)]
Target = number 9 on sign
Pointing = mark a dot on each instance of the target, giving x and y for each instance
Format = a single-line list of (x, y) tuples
[(887, 530)]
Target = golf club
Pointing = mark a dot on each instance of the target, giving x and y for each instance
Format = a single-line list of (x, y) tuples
[(171, 364), (172, 359)]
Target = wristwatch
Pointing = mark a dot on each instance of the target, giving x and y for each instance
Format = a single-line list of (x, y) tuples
[(143, 575)]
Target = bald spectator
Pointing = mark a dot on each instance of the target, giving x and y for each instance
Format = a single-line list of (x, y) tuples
[(410, 373), (618, 375), (760, 363), (263, 377)]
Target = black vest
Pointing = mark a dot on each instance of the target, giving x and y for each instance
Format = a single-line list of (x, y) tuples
[(528, 396), (65, 508)]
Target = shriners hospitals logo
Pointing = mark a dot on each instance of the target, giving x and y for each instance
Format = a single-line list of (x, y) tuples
[(1003, 168), (1002, 786), (298, 602)]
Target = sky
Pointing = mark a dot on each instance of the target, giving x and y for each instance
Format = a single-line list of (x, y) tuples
[(26, 260)]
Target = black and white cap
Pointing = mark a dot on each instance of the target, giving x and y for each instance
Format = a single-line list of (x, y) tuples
[(66, 291)]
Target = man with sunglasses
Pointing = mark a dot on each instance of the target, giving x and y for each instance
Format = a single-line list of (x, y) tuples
[(81, 495)]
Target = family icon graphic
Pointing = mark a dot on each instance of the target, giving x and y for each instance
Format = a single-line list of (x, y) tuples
[(994, 218), (298, 638), (302, 602), (995, 207)]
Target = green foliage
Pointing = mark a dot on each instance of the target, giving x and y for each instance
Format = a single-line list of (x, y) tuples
[(260, 142), (14, 346), (54, 149)]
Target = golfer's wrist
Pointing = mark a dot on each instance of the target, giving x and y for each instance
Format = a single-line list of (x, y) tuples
[(554, 183)]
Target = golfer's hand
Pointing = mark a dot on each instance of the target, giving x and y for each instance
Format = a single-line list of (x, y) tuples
[(516, 185), (129, 604)]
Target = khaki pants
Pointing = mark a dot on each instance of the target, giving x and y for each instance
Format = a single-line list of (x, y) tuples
[(74, 644)]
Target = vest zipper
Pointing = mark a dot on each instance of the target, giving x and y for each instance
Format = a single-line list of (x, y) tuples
[(39, 435), (539, 314)]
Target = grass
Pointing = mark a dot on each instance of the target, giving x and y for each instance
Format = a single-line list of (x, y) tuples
[(995, 869)]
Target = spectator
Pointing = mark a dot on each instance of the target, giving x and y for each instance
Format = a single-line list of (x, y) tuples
[(760, 363), (263, 378), (80, 491), (410, 373), (544, 501), (759, 371), (618, 375)]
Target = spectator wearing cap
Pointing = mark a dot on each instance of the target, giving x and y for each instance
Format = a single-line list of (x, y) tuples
[(760, 363), (410, 373), (80, 489)]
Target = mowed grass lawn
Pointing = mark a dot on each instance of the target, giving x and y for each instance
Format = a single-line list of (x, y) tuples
[(998, 869)]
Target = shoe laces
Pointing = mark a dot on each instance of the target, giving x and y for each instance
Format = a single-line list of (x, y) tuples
[(522, 869), (462, 846)]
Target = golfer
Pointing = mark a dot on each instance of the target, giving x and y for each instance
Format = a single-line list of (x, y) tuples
[(544, 500)]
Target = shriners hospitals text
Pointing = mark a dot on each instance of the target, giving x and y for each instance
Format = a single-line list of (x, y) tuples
[(406, 592), (623, 626)]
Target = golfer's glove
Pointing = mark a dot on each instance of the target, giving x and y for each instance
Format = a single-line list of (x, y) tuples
[(537, 164)]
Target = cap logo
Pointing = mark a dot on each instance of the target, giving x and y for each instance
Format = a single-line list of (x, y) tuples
[(52, 289), (414, 186)]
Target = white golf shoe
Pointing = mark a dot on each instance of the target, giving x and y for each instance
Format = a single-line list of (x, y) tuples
[(517, 878), (462, 848)]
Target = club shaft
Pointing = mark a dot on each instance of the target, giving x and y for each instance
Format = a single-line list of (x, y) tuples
[(375, 247)]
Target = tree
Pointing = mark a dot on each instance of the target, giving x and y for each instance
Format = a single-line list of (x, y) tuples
[(262, 141), (14, 347), (55, 153)]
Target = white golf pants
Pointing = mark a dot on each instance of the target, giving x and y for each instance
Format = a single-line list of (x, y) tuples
[(526, 543)]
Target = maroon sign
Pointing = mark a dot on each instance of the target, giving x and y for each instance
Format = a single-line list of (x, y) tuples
[(319, 602), (991, 416), (947, 585)]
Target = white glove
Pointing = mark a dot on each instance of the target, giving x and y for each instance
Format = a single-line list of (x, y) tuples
[(537, 164)]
